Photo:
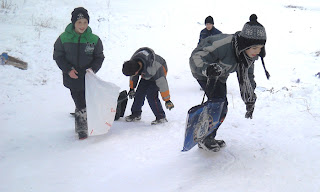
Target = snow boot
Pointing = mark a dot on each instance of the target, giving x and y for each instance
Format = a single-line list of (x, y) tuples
[(81, 125), (210, 144), (132, 118), (159, 121), (221, 143), (83, 135)]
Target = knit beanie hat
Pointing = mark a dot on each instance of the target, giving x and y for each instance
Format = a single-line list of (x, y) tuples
[(253, 33), (79, 13), (209, 19), (130, 67)]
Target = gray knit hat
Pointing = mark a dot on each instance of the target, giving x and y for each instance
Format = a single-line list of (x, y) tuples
[(253, 33)]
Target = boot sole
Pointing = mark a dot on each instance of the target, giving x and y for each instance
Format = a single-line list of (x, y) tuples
[(132, 120)]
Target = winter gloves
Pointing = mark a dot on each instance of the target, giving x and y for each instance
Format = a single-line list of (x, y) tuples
[(3, 58), (213, 70), (131, 93), (169, 105), (250, 108)]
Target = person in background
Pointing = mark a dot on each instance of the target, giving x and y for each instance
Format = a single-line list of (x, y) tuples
[(217, 56), (152, 69), (209, 30), (76, 50)]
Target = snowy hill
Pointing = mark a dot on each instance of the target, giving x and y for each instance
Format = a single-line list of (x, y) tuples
[(278, 150)]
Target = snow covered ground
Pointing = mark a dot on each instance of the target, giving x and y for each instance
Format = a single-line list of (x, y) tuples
[(278, 150)]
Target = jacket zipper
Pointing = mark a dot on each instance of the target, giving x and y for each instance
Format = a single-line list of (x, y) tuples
[(78, 56)]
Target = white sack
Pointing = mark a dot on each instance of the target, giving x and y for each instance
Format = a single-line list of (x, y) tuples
[(101, 100)]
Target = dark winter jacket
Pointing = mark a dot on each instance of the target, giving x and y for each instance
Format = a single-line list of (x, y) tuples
[(217, 49), (154, 69), (206, 33), (72, 50)]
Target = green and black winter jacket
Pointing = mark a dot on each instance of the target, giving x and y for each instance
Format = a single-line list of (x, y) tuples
[(81, 52)]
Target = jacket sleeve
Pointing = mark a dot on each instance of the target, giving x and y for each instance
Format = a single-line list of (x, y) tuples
[(217, 31), (133, 81), (202, 59), (59, 57), (162, 83), (210, 50), (98, 57)]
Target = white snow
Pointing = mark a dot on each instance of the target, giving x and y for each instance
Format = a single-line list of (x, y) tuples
[(278, 150)]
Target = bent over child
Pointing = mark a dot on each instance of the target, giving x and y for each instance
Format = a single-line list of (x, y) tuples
[(152, 69)]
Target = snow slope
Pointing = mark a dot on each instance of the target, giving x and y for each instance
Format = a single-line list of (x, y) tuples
[(278, 150)]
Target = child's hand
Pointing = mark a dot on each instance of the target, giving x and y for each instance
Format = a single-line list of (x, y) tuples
[(73, 74), (131, 93)]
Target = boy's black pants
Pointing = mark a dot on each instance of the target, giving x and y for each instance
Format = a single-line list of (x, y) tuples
[(78, 97)]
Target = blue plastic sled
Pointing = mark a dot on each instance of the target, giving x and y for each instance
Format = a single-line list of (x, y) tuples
[(201, 121)]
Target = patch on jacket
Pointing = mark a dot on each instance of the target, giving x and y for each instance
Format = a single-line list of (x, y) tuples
[(89, 48), (145, 52)]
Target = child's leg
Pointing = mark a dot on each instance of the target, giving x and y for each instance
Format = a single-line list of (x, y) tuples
[(154, 102), (81, 124), (139, 98), (79, 99)]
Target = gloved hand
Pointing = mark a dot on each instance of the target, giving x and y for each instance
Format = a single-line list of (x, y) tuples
[(250, 108), (169, 105), (4, 58), (131, 93), (213, 70)]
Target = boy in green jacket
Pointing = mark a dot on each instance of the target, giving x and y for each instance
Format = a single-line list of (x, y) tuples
[(75, 51)]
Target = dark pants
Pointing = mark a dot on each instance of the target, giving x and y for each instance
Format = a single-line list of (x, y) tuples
[(79, 99), (150, 90), (216, 90)]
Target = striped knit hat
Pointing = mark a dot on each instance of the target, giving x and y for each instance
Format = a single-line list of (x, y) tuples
[(253, 33)]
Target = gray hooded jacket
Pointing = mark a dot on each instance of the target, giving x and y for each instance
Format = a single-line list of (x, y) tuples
[(216, 49), (221, 50), (154, 69)]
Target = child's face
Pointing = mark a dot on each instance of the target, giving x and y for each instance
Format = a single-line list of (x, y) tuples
[(81, 26), (209, 26), (254, 51)]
